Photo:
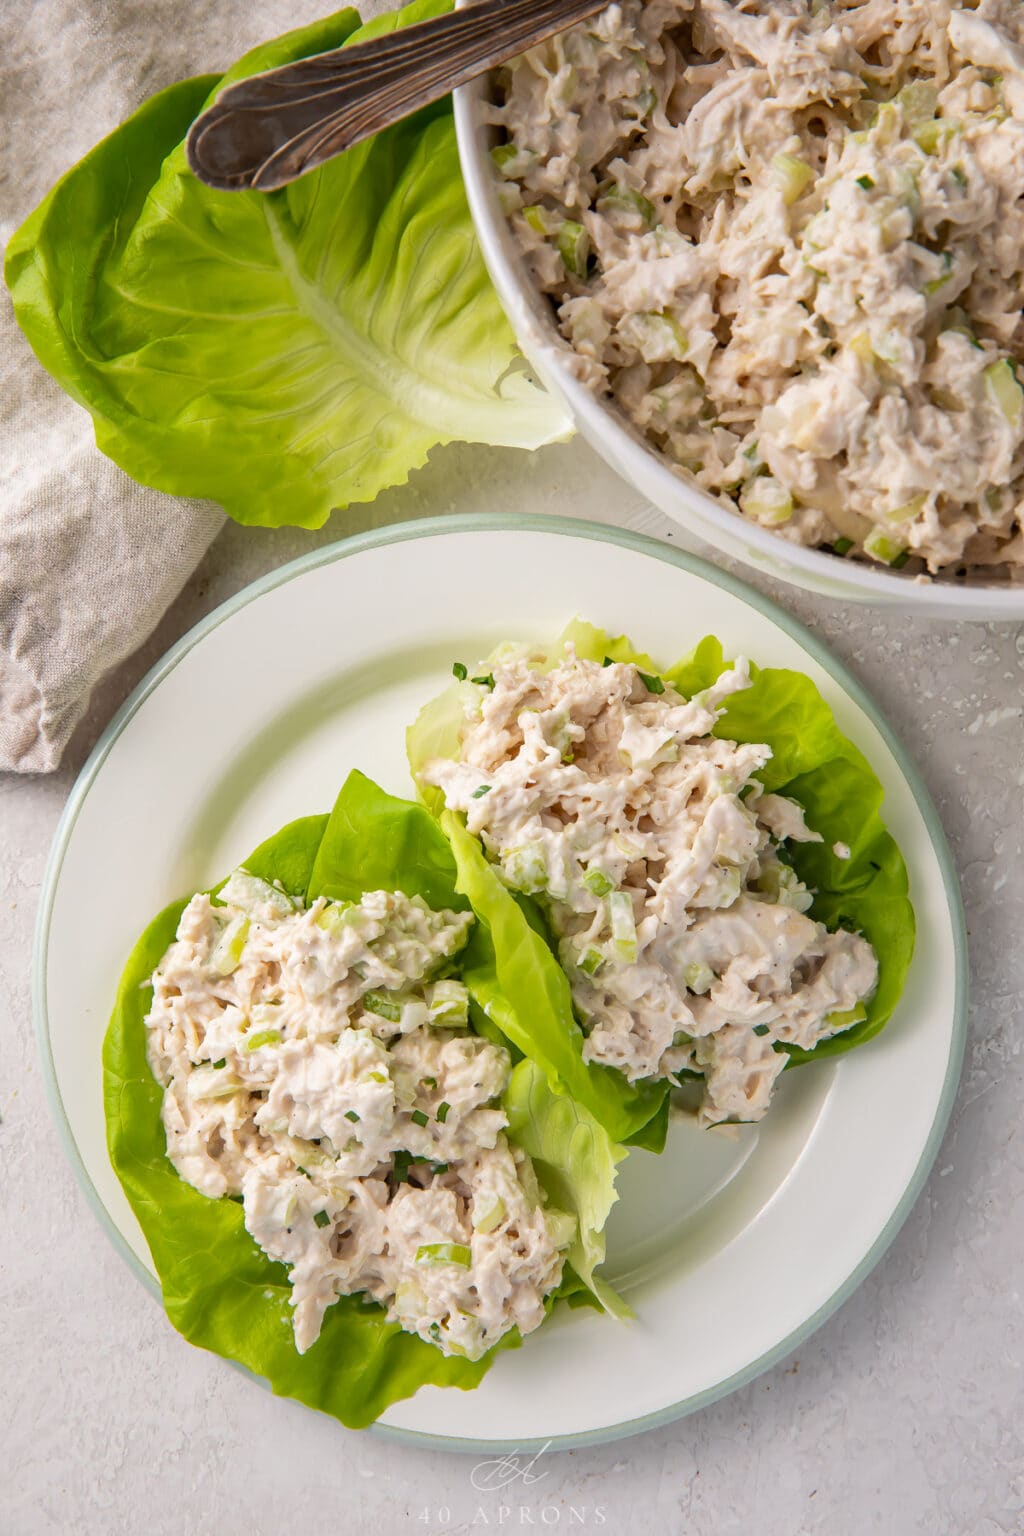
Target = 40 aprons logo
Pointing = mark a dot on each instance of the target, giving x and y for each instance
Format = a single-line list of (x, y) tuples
[(505, 1477)]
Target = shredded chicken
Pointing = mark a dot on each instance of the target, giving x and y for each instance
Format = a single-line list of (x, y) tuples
[(786, 237), (313, 1069)]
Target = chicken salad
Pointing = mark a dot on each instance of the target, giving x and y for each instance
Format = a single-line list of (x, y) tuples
[(786, 240)]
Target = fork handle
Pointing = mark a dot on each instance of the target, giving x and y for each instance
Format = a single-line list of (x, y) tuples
[(265, 131)]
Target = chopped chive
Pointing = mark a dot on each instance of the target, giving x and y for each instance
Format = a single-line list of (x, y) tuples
[(435, 1332), (652, 684), (460, 670), (429, 1082), (865, 182), (402, 1161), (350, 1114), (419, 1117), (900, 560), (608, 662), (478, 794), (843, 546), (440, 1167), (442, 1111), (222, 1063), (381, 1004), (302, 1171), (487, 681), (322, 1219), (761, 1029)]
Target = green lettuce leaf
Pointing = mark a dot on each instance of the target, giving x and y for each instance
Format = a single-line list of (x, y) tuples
[(283, 353), (219, 1289), (575, 1161), (812, 762), (516, 979)]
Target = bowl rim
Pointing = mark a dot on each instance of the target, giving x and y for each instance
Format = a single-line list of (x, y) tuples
[(724, 530)]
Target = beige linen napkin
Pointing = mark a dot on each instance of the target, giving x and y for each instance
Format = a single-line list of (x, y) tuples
[(89, 560)]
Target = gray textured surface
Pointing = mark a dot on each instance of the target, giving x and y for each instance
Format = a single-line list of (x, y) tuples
[(901, 1416)]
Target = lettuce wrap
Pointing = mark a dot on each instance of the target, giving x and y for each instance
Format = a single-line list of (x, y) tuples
[(219, 1289), (812, 762)]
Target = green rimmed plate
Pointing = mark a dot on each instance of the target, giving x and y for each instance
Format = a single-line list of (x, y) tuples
[(735, 1244)]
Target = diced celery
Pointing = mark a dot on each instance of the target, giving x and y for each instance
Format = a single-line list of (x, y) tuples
[(248, 892), (383, 1004), (918, 100), (728, 884), (860, 346), (597, 881), (510, 160), (561, 1228), (226, 954), (526, 868), (791, 890), (410, 1300), (332, 917), (415, 1014), (377, 1077), (792, 176), (882, 545), (843, 1020), (444, 1253), (574, 247), (541, 220), (658, 337), (491, 1218), (624, 200), (767, 500), (930, 136), (591, 961), (510, 197), (620, 905), (212, 1083), (907, 512), (698, 977), (448, 1002), (263, 1037), (1005, 391)]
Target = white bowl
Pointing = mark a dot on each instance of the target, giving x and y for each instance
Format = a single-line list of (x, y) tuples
[(621, 446)]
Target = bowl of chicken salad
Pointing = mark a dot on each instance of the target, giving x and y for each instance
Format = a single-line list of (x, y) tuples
[(771, 256)]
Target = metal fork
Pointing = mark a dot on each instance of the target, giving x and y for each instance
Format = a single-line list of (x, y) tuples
[(265, 131)]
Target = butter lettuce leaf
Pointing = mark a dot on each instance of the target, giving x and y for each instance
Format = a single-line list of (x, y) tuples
[(219, 1289), (284, 353)]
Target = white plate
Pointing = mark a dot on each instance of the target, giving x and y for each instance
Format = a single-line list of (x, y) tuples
[(736, 1243)]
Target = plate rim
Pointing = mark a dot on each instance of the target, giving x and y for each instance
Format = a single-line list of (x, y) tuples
[(694, 565)]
